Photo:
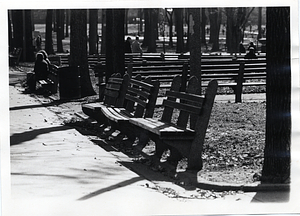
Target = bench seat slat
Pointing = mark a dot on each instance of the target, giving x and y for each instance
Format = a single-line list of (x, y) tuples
[(164, 130), (115, 114)]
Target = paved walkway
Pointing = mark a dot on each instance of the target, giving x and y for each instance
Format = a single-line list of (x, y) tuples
[(55, 170)]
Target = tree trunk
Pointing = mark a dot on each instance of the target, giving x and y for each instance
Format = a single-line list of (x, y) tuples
[(78, 49), (103, 32), (93, 31), (10, 36), (153, 33), (49, 41), (17, 20), (203, 24), (215, 24), (235, 20), (170, 21), (67, 22), (178, 12), (29, 50), (22, 33), (59, 35), (115, 52), (147, 32), (126, 22), (259, 23), (277, 159), (195, 43)]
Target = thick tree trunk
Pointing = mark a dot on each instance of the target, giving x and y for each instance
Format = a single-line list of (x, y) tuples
[(93, 31), (195, 43), (17, 20), (115, 52), (78, 49), (49, 41), (277, 160), (179, 29), (29, 49)]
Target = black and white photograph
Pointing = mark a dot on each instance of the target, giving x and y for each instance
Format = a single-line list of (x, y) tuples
[(150, 108)]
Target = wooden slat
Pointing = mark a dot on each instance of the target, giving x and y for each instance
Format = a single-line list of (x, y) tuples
[(180, 106), (186, 96), (114, 114), (110, 93), (136, 100), (141, 84), (138, 92)]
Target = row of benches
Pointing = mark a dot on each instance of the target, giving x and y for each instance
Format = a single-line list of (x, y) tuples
[(128, 106), (233, 73)]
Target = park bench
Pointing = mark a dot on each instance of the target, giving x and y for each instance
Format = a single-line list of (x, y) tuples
[(14, 56), (139, 102), (51, 83), (113, 95), (185, 136), (234, 74)]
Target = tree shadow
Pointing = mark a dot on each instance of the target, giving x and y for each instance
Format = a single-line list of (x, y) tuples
[(53, 103), (18, 138), (112, 187)]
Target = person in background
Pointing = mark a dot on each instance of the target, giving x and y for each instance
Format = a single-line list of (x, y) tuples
[(41, 68), (128, 45), (251, 44), (136, 46), (45, 55), (242, 48), (38, 42), (251, 54)]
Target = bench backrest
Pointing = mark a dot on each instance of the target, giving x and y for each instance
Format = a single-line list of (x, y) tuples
[(140, 98), (192, 106), (115, 90)]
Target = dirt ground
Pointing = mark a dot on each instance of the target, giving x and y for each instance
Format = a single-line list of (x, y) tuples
[(233, 150)]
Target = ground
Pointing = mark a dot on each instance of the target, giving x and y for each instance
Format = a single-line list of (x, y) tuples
[(233, 149)]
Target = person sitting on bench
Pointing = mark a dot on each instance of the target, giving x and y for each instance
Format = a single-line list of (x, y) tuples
[(40, 72)]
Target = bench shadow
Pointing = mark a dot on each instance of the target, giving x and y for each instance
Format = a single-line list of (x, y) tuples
[(19, 138)]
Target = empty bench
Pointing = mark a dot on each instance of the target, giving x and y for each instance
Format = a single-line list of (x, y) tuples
[(139, 102), (114, 95), (14, 56), (185, 136)]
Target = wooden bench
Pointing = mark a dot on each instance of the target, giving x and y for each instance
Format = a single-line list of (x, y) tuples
[(114, 95), (51, 83), (139, 102), (185, 136), (14, 56)]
